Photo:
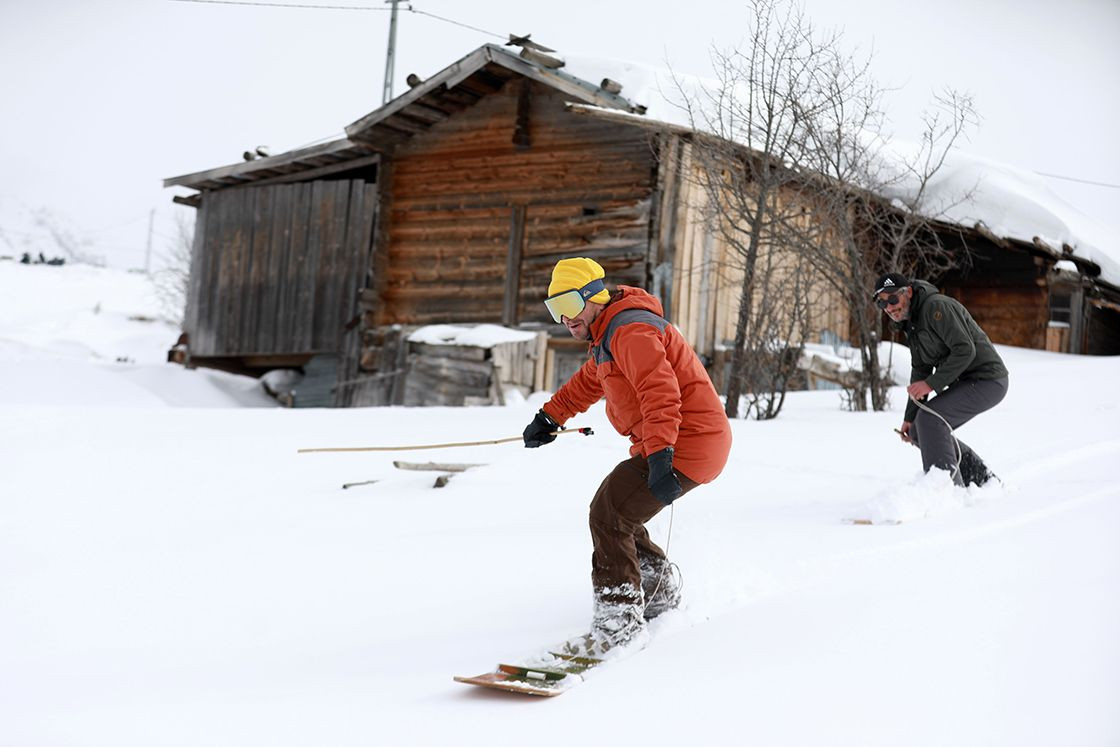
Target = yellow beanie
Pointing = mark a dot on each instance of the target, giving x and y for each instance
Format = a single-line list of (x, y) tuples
[(573, 274)]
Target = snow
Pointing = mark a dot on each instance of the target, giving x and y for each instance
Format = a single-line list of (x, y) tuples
[(172, 572), (481, 336)]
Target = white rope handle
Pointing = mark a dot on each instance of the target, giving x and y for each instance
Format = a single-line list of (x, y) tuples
[(668, 563)]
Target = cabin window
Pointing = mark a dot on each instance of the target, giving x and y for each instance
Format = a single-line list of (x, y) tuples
[(1060, 308), (589, 211)]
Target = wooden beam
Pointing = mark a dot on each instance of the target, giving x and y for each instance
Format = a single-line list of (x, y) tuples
[(334, 168), (246, 169), (462, 68), (189, 200), (987, 234), (1037, 241)]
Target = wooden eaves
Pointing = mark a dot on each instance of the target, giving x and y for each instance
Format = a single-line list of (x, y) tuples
[(294, 165)]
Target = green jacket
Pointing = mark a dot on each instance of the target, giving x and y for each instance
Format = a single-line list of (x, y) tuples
[(946, 343)]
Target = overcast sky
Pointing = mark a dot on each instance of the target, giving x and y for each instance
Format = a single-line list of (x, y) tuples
[(102, 100)]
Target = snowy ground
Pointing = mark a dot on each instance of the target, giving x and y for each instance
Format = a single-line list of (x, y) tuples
[(173, 573)]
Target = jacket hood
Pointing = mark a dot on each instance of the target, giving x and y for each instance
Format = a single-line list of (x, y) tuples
[(926, 288), (626, 297), (922, 291)]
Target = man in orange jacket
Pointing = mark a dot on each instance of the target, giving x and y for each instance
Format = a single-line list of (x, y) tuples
[(659, 395)]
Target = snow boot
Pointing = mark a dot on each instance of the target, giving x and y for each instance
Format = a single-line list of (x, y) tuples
[(661, 585), (617, 620), (974, 471)]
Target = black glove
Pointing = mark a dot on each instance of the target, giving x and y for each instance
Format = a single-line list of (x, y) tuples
[(539, 432), (663, 482)]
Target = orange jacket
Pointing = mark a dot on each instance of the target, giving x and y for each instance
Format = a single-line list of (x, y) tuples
[(658, 393)]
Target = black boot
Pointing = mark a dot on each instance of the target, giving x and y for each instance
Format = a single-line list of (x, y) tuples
[(974, 471)]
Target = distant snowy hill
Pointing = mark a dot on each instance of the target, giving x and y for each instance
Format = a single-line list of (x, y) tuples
[(173, 573), (78, 334)]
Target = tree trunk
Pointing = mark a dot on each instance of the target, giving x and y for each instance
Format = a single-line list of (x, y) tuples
[(746, 298)]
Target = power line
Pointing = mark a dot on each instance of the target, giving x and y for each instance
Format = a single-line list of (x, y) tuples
[(310, 6), (456, 23), (1075, 179), (281, 5)]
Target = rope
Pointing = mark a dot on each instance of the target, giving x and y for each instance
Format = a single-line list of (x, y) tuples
[(668, 564), (419, 447)]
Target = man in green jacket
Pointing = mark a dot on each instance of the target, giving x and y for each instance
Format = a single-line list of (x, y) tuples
[(950, 357)]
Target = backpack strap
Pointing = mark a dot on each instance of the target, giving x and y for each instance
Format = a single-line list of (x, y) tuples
[(602, 352)]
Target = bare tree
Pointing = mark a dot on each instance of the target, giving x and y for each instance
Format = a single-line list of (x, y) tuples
[(748, 160), (868, 231), (794, 161), (172, 279), (908, 244)]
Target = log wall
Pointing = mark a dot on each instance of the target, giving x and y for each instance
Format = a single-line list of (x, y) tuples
[(475, 222), (1006, 292)]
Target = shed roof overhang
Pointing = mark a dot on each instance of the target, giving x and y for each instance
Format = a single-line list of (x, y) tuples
[(294, 165)]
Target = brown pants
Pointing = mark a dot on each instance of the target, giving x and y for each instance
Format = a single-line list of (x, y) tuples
[(619, 511)]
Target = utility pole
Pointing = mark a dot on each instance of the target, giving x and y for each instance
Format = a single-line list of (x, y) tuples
[(390, 56)]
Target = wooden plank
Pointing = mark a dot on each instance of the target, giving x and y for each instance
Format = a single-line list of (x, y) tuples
[(237, 282), (286, 266), (222, 267), (202, 339), (435, 466), (331, 216), (197, 292), (274, 293), (301, 278), (258, 276)]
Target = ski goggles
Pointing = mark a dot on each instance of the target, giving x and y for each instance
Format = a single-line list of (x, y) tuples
[(890, 300), (570, 303)]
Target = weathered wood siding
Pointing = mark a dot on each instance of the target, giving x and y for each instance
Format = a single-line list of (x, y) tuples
[(276, 270), (707, 271), (476, 222), (1006, 292)]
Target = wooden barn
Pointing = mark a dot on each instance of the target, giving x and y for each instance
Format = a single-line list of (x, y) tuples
[(450, 205)]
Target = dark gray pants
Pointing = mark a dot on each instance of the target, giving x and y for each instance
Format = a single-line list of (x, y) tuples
[(958, 404)]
